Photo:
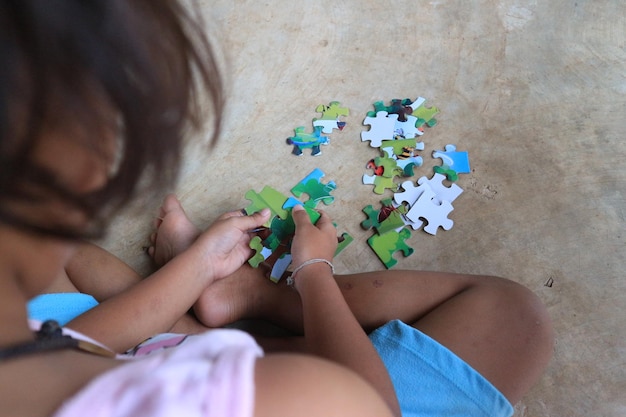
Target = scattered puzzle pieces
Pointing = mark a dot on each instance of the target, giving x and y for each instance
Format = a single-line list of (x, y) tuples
[(422, 204)]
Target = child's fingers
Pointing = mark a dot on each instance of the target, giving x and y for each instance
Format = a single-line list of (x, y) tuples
[(244, 222), (325, 222), (300, 216)]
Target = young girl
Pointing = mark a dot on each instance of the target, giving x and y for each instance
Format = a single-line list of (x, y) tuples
[(94, 99), (439, 344)]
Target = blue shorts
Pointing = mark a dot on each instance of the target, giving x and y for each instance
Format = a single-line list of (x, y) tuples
[(62, 307), (430, 380)]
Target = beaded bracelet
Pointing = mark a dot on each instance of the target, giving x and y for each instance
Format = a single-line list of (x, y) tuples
[(291, 278)]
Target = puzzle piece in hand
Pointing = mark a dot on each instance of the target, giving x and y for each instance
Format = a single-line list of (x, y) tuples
[(259, 255), (435, 214), (380, 183), (270, 198), (382, 127), (425, 115), (291, 202), (442, 193), (280, 267), (387, 244), (302, 140), (330, 116), (457, 161), (316, 190)]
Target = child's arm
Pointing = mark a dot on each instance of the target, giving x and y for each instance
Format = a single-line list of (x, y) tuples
[(155, 303), (330, 329)]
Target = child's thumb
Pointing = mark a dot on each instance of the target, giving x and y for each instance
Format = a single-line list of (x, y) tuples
[(299, 214)]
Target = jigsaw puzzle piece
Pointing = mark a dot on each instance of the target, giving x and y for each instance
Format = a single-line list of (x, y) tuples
[(382, 127), (315, 189), (280, 267), (291, 202), (450, 174), (380, 183), (407, 160), (328, 125), (442, 193), (425, 115), (400, 107), (410, 193), (408, 129), (389, 243), (303, 140), (457, 161), (333, 111), (267, 198), (342, 242), (259, 255), (389, 217), (389, 165), (330, 117), (435, 214), (399, 145)]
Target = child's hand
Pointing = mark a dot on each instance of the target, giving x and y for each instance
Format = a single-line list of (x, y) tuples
[(224, 246), (312, 241)]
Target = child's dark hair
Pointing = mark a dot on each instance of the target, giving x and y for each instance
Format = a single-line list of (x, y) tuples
[(141, 67)]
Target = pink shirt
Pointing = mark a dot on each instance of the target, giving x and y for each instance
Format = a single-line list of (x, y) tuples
[(211, 374)]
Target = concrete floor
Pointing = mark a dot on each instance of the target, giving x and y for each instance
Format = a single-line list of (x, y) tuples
[(534, 90)]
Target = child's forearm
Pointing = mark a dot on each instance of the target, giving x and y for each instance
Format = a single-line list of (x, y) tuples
[(331, 330), (149, 307)]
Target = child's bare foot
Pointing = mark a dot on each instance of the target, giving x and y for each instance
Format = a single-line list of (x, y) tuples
[(174, 234), (241, 295)]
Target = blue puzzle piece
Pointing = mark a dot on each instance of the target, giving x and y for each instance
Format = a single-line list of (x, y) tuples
[(457, 161)]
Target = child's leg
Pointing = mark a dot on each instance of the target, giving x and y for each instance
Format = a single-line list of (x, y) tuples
[(94, 271), (497, 326)]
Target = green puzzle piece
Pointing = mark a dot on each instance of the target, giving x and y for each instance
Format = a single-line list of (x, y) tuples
[(267, 198), (399, 145), (386, 219), (315, 188), (332, 111), (344, 241), (386, 245), (257, 246), (425, 115)]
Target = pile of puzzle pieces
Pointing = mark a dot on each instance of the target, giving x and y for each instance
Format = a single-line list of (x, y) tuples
[(272, 244), (322, 128), (394, 130)]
